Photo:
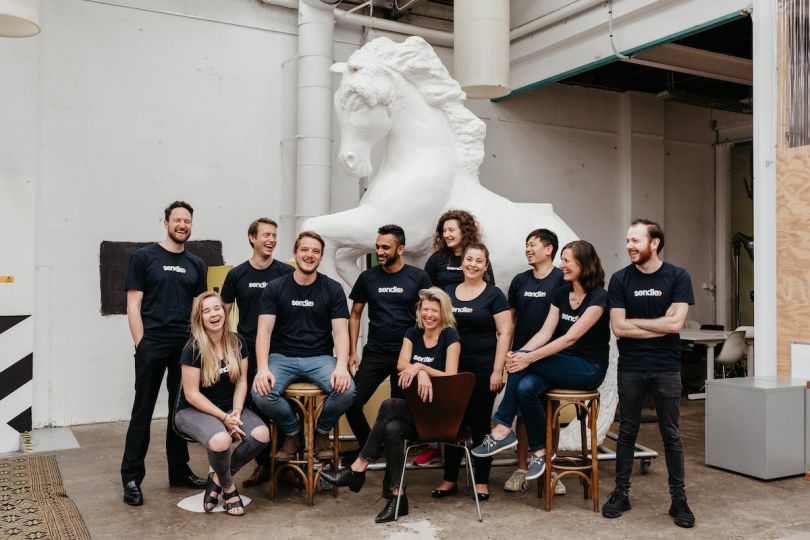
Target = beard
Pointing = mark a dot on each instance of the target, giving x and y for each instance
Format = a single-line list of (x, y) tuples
[(391, 261), (644, 255), (307, 271), (177, 240)]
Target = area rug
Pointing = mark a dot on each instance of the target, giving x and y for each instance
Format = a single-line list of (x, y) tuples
[(33, 502)]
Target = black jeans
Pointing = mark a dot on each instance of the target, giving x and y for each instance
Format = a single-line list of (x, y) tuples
[(666, 393), (374, 368), (477, 420), (263, 457), (393, 426), (153, 357)]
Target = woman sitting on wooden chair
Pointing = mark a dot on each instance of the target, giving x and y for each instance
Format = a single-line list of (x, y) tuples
[(214, 371), (431, 349)]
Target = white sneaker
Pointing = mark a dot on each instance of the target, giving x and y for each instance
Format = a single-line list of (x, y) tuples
[(559, 487), (517, 482)]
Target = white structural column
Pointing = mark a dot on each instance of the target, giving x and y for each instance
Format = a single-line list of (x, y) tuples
[(314, 147), (764, 23)]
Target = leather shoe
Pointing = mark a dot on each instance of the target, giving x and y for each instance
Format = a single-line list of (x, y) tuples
[(260, 475), (132, 494), (481, 496), (345, 477), (442, 493), (389, 512), (187, 480)]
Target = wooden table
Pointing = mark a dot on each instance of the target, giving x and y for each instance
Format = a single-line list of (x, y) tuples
[(709, 339)]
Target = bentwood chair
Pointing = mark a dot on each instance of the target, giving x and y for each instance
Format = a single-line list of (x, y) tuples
[(440, 420)]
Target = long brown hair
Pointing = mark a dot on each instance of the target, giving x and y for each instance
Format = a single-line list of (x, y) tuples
[(480, 247), (469, 230), (202, 345), (592, 275)]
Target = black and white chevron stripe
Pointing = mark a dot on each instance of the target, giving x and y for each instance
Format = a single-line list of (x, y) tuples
[(16, 374)]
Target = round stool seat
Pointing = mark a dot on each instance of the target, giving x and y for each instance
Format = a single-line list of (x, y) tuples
[(302, 389), (563, 394)]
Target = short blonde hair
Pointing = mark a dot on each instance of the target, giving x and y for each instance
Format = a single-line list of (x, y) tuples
[(435, 294)]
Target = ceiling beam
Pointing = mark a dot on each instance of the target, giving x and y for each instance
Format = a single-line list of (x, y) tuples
[(698, 62)]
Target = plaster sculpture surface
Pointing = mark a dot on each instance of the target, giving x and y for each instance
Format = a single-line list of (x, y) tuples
[(401, 92)]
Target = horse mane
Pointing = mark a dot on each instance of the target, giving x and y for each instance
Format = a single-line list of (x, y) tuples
[(416, 61)]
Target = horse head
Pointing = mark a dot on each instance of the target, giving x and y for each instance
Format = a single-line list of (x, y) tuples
[(363, 108)]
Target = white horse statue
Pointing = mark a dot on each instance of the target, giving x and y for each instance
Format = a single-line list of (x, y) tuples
[(402, 92)]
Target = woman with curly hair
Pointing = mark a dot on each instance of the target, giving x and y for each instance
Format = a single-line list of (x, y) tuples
[(570, 351), (210, 406), (455, 230)]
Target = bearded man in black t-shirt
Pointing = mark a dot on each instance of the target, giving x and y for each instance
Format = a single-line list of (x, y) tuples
[(244, 285), (649, 301), (391, 291), (161, 284), (302, 320)]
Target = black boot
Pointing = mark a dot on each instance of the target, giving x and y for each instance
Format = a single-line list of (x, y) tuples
[(345, 477), (389, 511)]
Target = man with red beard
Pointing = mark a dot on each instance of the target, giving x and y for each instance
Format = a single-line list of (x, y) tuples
[(649, 300), (161, 284)]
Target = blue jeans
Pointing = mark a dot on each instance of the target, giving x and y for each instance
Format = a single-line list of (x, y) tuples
[(316, 370), (525, 390)]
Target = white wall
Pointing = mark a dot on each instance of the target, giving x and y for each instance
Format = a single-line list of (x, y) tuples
[(137, 108)]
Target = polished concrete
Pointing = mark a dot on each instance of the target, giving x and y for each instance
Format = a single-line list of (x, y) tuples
[(726, 505)]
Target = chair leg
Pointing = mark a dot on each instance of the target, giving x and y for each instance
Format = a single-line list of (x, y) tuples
[(273, 469), (549, 464), (582, 414), (402, 480), (472, 480), (309, 406), (335, 455), (592, 417)]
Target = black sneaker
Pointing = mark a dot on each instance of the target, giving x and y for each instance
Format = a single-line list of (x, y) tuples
[(681, 513), (617, 503)]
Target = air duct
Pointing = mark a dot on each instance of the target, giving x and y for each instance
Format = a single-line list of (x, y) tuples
[(481, 47), (19, 18)]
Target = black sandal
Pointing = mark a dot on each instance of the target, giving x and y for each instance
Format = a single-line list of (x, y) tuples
[(210, 487), (233, 504)]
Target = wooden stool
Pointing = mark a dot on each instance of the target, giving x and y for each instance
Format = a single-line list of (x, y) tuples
[(586, 467), (304, 398)]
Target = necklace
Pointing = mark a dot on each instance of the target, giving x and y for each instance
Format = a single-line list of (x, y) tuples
[(575, 300)]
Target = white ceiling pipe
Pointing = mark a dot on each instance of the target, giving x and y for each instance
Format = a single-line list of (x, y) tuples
[(434, 37), (565, 12), (481, 48), (314, 146), (19, 18)]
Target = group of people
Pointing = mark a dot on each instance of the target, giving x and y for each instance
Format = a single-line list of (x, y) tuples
[(552, 330)]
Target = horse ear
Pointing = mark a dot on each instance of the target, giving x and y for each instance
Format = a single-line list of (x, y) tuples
[(338, 67)]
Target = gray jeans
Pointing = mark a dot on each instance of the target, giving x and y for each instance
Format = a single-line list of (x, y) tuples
[(201, 427)]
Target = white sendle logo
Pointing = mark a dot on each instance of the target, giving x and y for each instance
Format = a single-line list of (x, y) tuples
[(648, 292), (224, 369), (535, 294), (257, 285), (570, 318), (394, 289), (303, 303), (423, 359), (462, 310), (178, 269)]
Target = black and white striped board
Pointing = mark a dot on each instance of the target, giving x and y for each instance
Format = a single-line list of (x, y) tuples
[(16, 374)]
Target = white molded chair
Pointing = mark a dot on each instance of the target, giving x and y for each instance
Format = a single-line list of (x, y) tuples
[(692, 325), (732, 352)]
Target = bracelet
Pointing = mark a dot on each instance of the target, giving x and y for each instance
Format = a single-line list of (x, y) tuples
[(225, 417)]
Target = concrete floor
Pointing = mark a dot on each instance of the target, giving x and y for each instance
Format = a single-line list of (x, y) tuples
[(726, 505)]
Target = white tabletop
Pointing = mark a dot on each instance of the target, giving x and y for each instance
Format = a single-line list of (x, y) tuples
[(704, 335)]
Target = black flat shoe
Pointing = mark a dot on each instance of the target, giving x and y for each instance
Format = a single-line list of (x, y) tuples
[(389, 512), (482, 496), (132, 494), (442, 493), (187, 480), (345, 477)]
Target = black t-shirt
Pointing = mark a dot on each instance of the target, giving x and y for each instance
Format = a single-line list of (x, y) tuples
[(304, 315), (531, 299), (648, 296), (169, 282), (434, 357), (594, 346), (476, 326), (391, 300), (221, 392), (443, 272), (245, 284)]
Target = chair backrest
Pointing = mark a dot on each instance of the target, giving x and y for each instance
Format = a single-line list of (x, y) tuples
[(712, 327), (733, 348), (692, 325), (440, 420), (749, 331)]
